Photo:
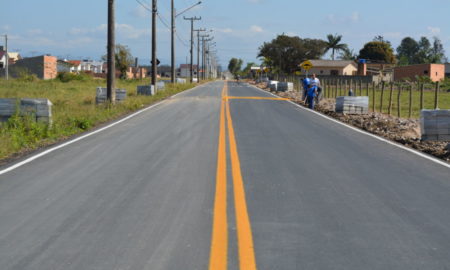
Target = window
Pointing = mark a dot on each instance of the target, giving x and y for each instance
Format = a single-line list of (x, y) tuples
[(425, 72)]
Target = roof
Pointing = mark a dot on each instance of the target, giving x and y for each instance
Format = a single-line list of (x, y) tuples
[(187, 66), (74, 62), (332, 63)]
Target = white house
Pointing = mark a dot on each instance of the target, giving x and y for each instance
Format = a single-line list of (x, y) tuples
[(333, 67)]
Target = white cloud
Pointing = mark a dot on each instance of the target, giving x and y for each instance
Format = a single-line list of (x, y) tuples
[(256, 29), (434, 30), (352, 18)]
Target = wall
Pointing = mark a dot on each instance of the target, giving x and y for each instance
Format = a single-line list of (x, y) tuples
[(44, 67), (435, 72)]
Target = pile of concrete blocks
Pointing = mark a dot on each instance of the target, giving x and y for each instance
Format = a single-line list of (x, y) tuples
[(435, 125), (285, 86), (39, 109), (352, 105), (146, 90), (273, 85), (160, 85), (101, 96), (181, 80)]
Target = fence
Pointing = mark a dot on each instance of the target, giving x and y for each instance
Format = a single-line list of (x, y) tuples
[(399, 98)]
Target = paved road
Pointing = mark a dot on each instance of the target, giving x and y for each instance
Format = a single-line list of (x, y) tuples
[(294, 191)]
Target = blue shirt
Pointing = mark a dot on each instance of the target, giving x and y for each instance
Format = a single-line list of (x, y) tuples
[(306, 82), (311, 92)]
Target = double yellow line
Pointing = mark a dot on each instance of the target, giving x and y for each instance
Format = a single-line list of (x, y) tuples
[(219, 242)]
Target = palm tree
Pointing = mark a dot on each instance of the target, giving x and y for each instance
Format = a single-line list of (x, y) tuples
[(334, 44)]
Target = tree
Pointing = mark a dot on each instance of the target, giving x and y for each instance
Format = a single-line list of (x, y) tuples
[(347, 54), (123, 58), (248, 68), (333, 44), (407, 50), (284, 53), (424, 53), (235, 65), (377, 51), (437, 52), (381, 39)]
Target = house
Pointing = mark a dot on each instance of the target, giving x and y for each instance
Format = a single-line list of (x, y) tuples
[(436, 72), (136, 73), (76, 65), (333, 67), (185, 70), (63, 66), (92, 66), (44, 67), (2, 59)]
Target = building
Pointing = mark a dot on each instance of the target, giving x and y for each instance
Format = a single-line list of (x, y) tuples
[(76, 65), (92, 66), (333, 67), (12, 57), (435, 72), (447, 70), (44, 67), (136, 73), (185, 70)]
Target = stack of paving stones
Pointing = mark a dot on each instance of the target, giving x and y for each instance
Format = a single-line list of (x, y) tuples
[(180, 80), (39, 109), (101, 96), (273, 85), (146, 90), (352, 105), (435, 125), (160, 85), (285, 86)]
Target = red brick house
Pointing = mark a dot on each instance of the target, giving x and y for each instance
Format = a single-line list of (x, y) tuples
[(435, 72)]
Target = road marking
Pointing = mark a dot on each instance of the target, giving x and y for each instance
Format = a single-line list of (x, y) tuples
[(430, 158), (48, 151), (257, 98), (245, 239), (219, 242)]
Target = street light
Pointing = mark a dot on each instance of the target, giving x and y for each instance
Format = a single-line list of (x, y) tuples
[(174, 15)]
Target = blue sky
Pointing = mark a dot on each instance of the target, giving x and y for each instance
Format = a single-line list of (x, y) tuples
[(77, 29)]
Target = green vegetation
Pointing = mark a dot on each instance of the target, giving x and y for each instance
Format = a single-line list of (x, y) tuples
[(74, 109)]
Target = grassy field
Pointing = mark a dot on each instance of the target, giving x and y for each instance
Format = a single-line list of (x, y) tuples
[(74, 110), (428, 99)]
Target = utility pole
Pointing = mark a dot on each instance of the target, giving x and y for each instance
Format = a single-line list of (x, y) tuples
[(110, 85), (6, 57), (192, 19), (172, 63), (154, 61), (198, 52)]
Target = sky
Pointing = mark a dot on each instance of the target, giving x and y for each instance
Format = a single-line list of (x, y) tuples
[(77, 29)]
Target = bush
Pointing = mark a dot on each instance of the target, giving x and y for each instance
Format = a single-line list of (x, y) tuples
[(68, 77)]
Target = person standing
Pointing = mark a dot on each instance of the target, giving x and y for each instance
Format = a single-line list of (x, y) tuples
[(315, 81), (305, 82)]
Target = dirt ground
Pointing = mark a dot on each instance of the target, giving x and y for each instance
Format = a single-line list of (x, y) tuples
[(400, 130)]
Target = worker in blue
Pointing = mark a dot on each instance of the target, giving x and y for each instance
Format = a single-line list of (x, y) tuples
[(305, 82), (310, 95)]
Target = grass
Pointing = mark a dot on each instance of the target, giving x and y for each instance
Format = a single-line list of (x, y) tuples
[(428, 99), (74, 109)]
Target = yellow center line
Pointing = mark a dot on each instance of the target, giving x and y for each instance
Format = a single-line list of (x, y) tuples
[(244, 232), (257, 98), (219, 242)]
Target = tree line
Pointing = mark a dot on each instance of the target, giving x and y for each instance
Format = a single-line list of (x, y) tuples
[(284, 53)]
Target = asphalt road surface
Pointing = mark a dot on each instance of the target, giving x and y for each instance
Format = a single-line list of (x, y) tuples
[(226, 178)]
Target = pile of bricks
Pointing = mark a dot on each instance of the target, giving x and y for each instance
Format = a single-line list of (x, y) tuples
[(435, 125), (352, 105), (101, 96), (39, 109)]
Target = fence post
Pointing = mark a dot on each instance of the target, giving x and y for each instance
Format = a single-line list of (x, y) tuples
[(398, 100), (360, 87), (421, 95), (335, 88), (390, 98), (373, 96), (436, 96), (382, 96), (368, 86), (410, 101)]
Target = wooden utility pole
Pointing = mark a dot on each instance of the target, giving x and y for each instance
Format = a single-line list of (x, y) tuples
[(192, 19), (154, 60), (111, 76), (172, 62), (198, 52)]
